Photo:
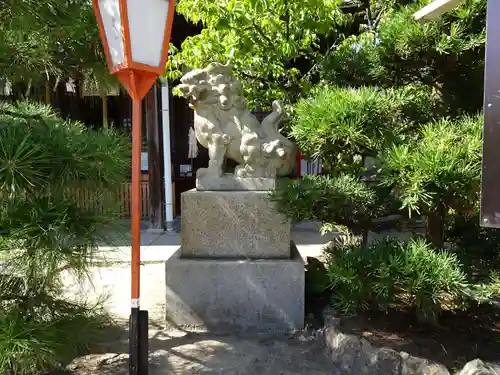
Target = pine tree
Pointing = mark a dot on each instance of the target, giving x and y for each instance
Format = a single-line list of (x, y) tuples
[(446, 55), (50, 40), (407, 94)]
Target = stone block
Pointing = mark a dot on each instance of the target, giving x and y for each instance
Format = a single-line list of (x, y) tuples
[(420, 366), (230, 182), (221, 295), (232, 224)]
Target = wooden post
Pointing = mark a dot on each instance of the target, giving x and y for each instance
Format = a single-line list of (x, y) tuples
[(154, 137)]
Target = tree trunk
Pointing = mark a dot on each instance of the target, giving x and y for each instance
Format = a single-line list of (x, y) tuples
[(435, 227)]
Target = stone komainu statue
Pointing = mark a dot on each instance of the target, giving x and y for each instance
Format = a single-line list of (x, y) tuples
[(224, 124)]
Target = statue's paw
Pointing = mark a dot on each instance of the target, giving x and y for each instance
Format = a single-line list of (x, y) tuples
[(240, 171), (201, 172), (244, 171)]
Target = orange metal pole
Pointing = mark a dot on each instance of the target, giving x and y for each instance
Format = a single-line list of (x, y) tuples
[(136, 200)]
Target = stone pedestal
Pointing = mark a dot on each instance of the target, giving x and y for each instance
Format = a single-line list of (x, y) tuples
[(232, 224), (237, 268)]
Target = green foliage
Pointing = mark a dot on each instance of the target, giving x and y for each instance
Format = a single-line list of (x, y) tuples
[(440, 169), (479, 247), (400, 92), (484, 291), (395, 274), (50, 39), (39, 151), (446, 54), (406, 93), (343, 125), (343, 200), (264, 40), (55, 333), (280, 48), (45, 229)]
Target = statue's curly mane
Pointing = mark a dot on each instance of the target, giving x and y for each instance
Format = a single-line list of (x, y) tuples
[(216, 79)]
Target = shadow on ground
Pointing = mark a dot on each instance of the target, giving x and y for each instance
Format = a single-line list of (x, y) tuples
[(183, 353)]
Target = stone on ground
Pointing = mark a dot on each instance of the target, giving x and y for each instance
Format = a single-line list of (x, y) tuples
[(355, 356), (478, 367)]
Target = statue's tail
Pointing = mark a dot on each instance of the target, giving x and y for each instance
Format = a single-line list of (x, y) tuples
[(270, 127)]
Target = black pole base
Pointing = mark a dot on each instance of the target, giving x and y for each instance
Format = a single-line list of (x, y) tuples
[(138, 342)]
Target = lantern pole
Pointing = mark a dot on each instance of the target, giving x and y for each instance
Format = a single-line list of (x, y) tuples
[(137, 74), (138, 86), (137, 339)]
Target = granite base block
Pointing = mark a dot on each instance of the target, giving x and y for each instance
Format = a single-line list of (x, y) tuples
[(229, 182), (232, 224), (236, 295)]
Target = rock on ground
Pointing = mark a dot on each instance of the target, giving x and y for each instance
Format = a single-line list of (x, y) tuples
[(205, 354), (355, 356), (478, 367)]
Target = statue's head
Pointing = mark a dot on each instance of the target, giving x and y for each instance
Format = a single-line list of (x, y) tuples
[(214, 85)]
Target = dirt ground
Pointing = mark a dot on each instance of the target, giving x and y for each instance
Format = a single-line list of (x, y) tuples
[(178, 353)]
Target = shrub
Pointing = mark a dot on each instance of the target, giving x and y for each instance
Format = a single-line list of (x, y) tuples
[(439, 171), (343, 125), (53, 333), (395, 274), (45, 230), (342, 200)]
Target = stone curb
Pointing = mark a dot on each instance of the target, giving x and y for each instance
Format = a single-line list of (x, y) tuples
[(356, 356)]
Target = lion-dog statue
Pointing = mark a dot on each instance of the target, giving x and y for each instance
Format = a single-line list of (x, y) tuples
[(225, 126)]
